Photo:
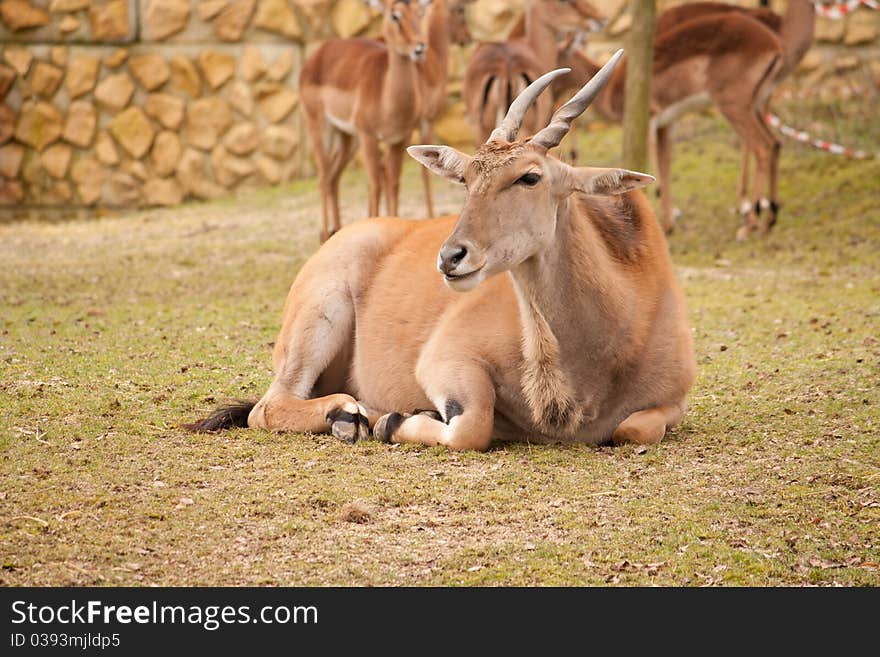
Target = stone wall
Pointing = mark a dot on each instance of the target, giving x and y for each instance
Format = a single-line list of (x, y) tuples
[(125, 103)]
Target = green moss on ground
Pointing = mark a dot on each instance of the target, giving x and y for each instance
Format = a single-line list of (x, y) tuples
[(114, 331)]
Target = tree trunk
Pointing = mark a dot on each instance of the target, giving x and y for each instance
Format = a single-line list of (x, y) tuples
[(639, 68)]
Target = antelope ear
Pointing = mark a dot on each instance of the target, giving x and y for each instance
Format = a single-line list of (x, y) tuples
[(442, 160), (608, 182)]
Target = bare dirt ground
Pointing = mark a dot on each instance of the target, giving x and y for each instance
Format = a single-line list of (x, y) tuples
[(114, 331)]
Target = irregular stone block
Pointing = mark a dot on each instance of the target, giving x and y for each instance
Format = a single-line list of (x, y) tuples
[(19, 58), (163, 191), (56, 159), (39, 125), (191, 175), (217, 67), (132, 129), (166, 152), (231, 22), (109, 21), (7, 123), (282, 66), (242, 139), (276, 16), (115, 91), (269, 169), (116, 58), (252, 63), (240, 98), (45, 79), (229, 169), (210, 8), (58, 55), (105, 149), (278, 141), (279, 104), (121, 189), (151, 70), (135, 168), (21, 15), (87, 171), (79, 128), (69, 24), (206, 119), (166, 17), (11, 156), (350, 17), (166, 109), (184, 76), (81, 75)]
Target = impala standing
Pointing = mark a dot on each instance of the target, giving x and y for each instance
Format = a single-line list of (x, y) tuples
[(363, 90), (555, 314), (795, 29)]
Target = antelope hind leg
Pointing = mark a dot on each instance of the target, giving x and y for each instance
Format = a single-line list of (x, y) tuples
[(340, 414), (647, 427)]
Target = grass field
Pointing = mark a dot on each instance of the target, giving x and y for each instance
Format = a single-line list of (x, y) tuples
[(114, 331)]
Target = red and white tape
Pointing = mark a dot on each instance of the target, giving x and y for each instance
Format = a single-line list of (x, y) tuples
[(805, 137), (843, 8)]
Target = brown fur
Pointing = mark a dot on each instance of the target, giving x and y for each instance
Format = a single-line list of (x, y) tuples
[(373, 87), (560, 318), (444, 24), (498, 71)]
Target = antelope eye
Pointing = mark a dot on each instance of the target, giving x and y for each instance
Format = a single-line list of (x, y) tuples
[(529, 179), (395, 16)]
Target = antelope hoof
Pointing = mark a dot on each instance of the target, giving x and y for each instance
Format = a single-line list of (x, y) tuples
[(349, 423), (386, 425), (743, 233)]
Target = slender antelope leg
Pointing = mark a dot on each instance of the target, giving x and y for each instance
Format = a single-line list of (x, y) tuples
[(742, 184), (747, 125), (393, 164), (664, 162), (647, 427), (319, 133), (427, 137), (341, 158), (773, 183), (373, 163), (464, 395)]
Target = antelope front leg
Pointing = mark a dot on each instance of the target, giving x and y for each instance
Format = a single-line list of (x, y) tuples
[(466, 401)]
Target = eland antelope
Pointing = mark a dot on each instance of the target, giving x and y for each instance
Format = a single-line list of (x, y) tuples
[(546, 311)]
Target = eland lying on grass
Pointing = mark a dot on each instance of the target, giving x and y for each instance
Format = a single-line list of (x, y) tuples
[(555, 315)]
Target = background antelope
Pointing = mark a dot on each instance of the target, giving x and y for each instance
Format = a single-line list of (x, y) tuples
[(367, 92), (557, 316), (497, 71), (445, 24), (795, 29), (728, 60)]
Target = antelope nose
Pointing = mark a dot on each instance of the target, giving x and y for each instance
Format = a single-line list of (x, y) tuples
[(450, 258)]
